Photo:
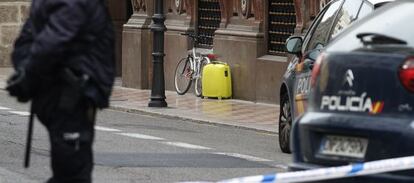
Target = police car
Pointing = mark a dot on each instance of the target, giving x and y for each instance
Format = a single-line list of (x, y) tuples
[(361, 107), (336, 16)]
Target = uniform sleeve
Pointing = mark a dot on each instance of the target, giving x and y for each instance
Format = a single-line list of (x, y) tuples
[(66, 19), (22, 45)]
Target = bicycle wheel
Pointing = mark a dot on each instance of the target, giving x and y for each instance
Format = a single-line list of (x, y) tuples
[(183, 76), (198, 81)]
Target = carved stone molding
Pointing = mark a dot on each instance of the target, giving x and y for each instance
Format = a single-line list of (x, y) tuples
[(178, 5), (249, 8), (175, 6), (181, 7), (258, 10), (245, 8), (180, 16), (226, 8), (299, 9), (189, 7), (322, 4), (142, 14), (242, 15), (139, 6), (316, 6)]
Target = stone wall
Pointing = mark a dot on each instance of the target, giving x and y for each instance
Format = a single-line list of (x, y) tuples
[(12, 15), (241, 41)]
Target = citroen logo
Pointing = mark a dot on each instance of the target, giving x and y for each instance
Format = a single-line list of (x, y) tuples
[(349, 78)]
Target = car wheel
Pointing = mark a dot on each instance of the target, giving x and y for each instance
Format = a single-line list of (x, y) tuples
[(285, 124)]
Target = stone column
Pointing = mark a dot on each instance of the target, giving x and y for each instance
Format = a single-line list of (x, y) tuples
[(137, 46), (306, 11), (118, 10), (13, 14), (240, 41), (301, 19), (313, 9), (226, 7), (258, 10)]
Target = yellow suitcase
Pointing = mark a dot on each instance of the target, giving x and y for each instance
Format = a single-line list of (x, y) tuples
[(216, 80)]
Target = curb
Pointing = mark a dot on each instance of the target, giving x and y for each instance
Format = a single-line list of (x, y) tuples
[(186, 118), (180, 117)]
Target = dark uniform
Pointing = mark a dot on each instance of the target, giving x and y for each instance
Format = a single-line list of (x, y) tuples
[(66, 47)]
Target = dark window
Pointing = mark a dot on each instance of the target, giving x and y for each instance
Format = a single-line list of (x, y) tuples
[(391, 22), (282, 23), (209, 18), (346, 16), (319, 36)]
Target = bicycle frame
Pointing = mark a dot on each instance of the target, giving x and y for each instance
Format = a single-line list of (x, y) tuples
[(195, 62), (192, 70)]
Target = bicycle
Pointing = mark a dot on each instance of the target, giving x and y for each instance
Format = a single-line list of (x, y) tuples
[(190, 68)]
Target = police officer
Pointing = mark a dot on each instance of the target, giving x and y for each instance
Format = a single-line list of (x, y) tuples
[(66, 50)]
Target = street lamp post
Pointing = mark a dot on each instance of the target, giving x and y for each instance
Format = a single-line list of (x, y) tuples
[(158, 82)]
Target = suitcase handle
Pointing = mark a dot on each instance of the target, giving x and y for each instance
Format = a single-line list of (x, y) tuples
[(219, 62)]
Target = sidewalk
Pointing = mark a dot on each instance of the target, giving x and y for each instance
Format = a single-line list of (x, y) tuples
[(237, 113)]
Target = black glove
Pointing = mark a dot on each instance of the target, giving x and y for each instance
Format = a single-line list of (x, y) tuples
[(19, 86)]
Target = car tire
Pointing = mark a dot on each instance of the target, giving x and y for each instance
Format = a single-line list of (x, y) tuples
[(285, 124)]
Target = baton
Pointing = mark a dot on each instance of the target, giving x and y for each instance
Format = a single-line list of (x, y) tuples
[(29, 139)]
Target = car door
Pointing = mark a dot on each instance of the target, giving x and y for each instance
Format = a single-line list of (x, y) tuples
[(339, 15), (303, 69)]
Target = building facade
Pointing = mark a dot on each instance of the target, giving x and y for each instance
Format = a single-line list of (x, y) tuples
[(247, 34)]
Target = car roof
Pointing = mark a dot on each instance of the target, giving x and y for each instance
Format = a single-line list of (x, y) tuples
[(393, 7), (379, 3)]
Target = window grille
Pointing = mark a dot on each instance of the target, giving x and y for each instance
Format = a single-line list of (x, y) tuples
[(209, 18), (282, 23)]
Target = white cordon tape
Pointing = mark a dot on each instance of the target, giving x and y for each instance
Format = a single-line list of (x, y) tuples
[(369, 168)]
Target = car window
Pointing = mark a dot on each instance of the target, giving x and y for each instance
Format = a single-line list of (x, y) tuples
[(319, 34), (391, 21), (312, 27), (346, 16), (366, 8)]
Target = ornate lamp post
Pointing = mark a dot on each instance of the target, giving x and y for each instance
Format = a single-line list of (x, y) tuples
[(158, 82)]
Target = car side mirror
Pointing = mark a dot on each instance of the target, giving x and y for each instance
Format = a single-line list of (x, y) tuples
[(294, 45)]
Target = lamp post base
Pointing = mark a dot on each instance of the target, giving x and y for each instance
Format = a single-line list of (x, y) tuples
[(157, 103)]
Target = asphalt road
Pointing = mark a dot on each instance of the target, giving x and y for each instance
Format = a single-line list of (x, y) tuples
[(140, 148)]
